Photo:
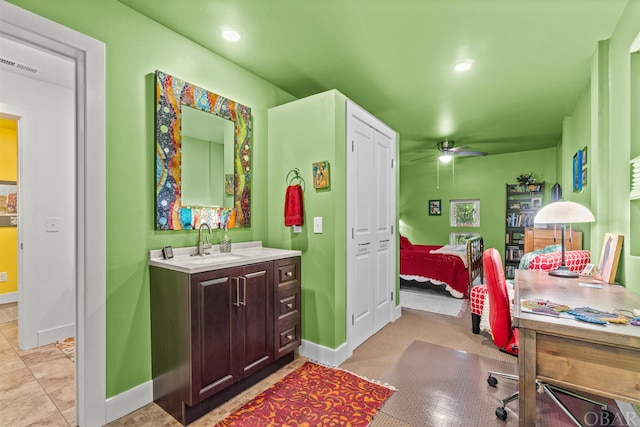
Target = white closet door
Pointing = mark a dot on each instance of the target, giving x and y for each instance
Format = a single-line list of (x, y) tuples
[(370, 217), (385, 258)]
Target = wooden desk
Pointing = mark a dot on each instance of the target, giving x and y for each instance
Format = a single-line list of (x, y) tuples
[(603, 360)]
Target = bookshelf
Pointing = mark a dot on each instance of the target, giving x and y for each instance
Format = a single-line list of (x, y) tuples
[(523, 203)]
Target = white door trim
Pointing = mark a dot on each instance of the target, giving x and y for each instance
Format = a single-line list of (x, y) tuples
[(89, 57)]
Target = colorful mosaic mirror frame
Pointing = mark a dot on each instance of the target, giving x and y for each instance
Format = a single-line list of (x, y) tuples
[(171, 94)]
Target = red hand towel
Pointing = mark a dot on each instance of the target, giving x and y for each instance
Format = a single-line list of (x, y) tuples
[(293, 206)]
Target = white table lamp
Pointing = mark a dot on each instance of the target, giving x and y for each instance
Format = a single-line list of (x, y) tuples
[(563, 212)]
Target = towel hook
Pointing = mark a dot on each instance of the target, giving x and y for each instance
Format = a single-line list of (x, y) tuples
[(296, 176)]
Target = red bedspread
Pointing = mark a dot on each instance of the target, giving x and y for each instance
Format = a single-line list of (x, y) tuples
[(450, 269)]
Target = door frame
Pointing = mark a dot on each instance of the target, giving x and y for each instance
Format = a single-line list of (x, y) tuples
[(353, 109), (89, 57)]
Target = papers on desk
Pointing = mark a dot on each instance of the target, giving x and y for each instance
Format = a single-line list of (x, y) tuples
[(590, 285)]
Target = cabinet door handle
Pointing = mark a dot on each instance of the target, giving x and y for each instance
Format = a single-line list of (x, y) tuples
[(237, 303), (244, 299), (290, 337), (290, 305), (289, 273)]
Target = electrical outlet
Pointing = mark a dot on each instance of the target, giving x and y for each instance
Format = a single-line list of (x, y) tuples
[(3, 276)]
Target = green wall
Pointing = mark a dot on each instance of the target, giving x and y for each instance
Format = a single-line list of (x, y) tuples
[(135, 48), (603, 118), (301, 133), (481, 178)]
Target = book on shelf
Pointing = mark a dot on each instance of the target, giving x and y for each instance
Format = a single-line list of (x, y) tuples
[(520, 220)]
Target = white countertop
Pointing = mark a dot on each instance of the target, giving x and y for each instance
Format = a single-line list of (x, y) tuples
[(186, 259)]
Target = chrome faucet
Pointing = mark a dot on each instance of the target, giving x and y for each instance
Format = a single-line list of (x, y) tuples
[(201, 245)]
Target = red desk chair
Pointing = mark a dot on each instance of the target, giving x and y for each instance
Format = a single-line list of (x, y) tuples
[(506, 337)]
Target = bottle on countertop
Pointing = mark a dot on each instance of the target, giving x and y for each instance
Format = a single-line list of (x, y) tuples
[(225, 243)]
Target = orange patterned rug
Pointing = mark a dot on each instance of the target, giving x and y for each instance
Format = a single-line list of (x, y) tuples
[(68, 347), (313, 395)]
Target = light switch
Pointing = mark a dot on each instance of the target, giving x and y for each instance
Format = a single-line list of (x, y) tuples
[(317, 224), (297, 229), (3, 276), (52, 224)]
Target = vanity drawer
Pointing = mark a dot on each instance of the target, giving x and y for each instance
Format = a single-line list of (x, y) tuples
[(287, 273), (288, 303), (288, 336)]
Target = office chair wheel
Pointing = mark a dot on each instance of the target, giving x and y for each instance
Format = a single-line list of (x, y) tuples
[(492, 381), (501, 413)]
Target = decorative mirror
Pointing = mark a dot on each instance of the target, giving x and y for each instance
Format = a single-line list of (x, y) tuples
[(203, 158)]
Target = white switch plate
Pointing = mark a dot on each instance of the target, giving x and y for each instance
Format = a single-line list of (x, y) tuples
[(297, 229), (3, 276), (317, 224), (52, 224)]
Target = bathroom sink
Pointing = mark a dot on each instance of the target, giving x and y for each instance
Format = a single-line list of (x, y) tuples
[(213, 258)]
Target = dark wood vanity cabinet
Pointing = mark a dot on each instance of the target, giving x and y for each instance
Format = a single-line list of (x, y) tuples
[(218, 332), (231, 326)]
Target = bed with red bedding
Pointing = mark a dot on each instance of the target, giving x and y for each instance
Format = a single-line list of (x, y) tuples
[(455, 270)]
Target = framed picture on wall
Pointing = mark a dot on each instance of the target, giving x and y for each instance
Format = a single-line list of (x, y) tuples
[(8, 204), (577, 171), (435, 207)]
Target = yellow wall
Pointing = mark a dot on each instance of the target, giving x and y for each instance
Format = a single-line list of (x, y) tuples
[(9, 235)]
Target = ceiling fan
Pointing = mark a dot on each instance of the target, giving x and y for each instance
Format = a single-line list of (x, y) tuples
[(447, 150)]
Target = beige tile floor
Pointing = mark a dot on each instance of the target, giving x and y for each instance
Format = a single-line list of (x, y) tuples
[(37, 387)]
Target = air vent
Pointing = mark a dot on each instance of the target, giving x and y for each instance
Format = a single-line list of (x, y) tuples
[(18, 65)]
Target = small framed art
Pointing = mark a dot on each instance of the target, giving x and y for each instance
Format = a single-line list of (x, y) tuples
[(536, 202), (321, 174), (435, 207), (577, 171)]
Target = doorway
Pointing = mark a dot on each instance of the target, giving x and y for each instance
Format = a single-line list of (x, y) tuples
[(88, 55)]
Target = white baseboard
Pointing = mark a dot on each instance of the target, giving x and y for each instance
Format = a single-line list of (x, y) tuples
[(52, 335), (325, 355), (128, 401), (8, 297), (397, 312)]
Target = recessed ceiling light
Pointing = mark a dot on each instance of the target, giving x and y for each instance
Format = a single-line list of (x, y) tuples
[(231, 34), (462, 66)]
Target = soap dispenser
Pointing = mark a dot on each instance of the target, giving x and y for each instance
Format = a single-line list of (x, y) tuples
[(225, 243)]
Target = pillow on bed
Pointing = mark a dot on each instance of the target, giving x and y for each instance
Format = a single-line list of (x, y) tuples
[(405, 243)]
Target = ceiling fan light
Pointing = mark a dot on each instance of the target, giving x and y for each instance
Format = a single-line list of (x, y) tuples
[(445, 157)]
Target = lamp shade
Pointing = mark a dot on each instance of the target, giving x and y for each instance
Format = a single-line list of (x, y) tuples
[(563, 212)]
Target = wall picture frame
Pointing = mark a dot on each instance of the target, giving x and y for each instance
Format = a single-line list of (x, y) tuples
[(320, 172), (435, 207), (577, 171), (8, 204), (536, 202), (610, 257)]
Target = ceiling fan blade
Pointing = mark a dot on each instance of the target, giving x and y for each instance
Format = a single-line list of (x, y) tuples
[(421, 158), (470, 153), (461, 148)]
